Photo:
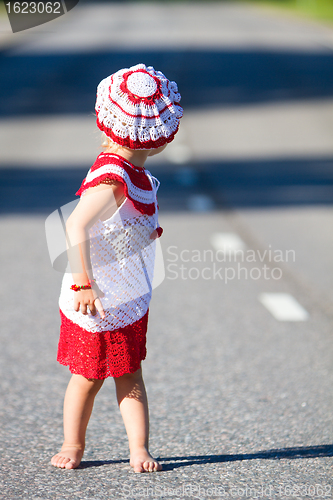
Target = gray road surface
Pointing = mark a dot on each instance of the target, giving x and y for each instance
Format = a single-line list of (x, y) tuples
[(240, 403)]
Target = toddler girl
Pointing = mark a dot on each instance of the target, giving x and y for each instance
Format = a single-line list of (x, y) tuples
[(110, 237)]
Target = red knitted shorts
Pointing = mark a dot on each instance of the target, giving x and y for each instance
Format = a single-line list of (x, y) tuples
[(100, 355)]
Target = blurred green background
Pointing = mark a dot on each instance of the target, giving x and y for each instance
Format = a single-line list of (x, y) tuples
[(315, 9), (318, 9)]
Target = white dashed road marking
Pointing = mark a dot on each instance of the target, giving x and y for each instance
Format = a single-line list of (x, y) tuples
[(283, 307), (227, 242)]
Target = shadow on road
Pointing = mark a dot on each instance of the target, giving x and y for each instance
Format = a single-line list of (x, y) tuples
[(282, 453), (325, 450), (65, 83), (248, 183)]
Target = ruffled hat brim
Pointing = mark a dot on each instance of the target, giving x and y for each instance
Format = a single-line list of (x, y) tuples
[(138, 108)]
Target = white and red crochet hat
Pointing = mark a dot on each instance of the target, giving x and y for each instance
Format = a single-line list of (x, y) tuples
[(138, 107)]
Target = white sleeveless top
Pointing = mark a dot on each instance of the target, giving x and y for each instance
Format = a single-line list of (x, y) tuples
[(122, 252)]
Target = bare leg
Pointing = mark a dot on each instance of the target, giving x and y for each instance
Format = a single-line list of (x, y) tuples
[(133, 404), (78, 405)]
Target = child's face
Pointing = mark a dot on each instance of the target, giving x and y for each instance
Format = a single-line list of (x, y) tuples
[(153, 152)]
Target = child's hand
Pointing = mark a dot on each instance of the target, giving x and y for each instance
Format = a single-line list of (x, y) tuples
[(85, 299)]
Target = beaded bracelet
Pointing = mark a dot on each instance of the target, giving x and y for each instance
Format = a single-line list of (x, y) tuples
[(77, 288)]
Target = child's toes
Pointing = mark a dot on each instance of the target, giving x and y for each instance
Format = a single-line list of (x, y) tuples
[(146, 466), (68, 458), (64, 463), (61, 462), (151, 466), (155, 466), (139, 468), (71, 464), (144, 462), (56, 460)]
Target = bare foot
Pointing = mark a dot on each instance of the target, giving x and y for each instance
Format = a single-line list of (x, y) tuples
[(68, 458), (142, 461)]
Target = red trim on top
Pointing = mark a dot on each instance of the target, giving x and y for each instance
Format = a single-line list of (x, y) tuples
[(135, 167), (138, 178), (136, 174), (143, 208)]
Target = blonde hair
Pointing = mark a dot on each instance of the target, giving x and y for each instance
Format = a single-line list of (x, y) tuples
[(109, 143), (105, 140)]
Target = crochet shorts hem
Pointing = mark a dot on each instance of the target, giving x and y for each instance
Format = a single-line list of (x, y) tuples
[(100, 355), (98, 376)]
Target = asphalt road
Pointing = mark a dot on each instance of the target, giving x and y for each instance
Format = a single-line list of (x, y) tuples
[(240, 401)]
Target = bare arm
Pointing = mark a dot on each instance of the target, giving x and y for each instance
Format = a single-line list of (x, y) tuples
[(99, 200)]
